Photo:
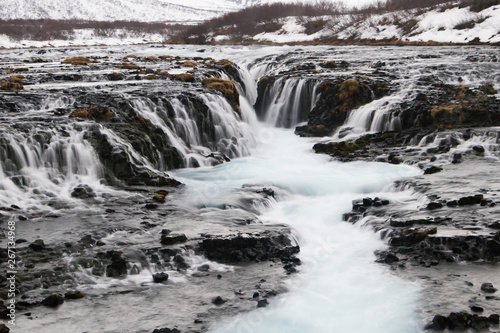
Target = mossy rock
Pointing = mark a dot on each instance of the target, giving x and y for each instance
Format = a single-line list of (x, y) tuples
[(329, 64), (97, 113), (14, 83), (225, 63), (78, 61), (189, 63), (488, 89), (185, 77), (228, 90), (129, 66)]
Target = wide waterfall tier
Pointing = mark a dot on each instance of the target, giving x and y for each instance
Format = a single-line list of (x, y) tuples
[(65, 125)]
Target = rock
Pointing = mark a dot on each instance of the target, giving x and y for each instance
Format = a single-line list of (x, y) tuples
[(83, 191), (479, 322), (494, 319), (488, 288), (479, 149), (160, 277), (4, 329), (118, 266), (438, 323), (218, 301), (262, 303), (74, 295), (172, 239), (433, 169), (87, 241), (53, 301), (391, 258), (434, 205), (228, 90), (475, 308), (460, 320), (471, 200), (457, 158), (495, 225), (166, 330), (249, 247), (37, 245)]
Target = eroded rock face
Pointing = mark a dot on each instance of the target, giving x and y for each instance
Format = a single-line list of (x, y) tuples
[(250, 247)]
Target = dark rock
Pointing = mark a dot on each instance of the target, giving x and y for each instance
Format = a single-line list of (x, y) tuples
[(151, 206), (460, 320), (391, 258), (37, 245), (262, 303), (118, 266), (53, 300), (479, 322), (494, 319), (432, 169), (495, 225), (256, 295), (160, 277), (218, 301), (479, 149), (87, 241), (488, 288), (74, 295), (471, 200), (475, 308), (249, 247), (457, 158), (452, 203), (438, 323), (83, 191), (166, 330), (171, 239), (4, 329), (434, 205)]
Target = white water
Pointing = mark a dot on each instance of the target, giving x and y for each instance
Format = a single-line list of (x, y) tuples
[(339, 288)]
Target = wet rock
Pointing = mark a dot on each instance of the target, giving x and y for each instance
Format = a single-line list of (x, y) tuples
[(218, 301), (262, 303), (479, 322), (459, 320), (87, 241), (479, 149), (433, 169), (475, 308), (172, 239), (434, 205), (74, 295), (53, 301), (471, 200), (457, 158), (166, 330), (118, 266), (249, 247), (160, 277), (495, 225), (411, 237), (390, 259), (438, 323), (494, 319), (83, 191), (37, 245), (488, 288), (4, 329)]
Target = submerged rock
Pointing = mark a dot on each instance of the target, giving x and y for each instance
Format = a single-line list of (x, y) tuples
[(53, 300)]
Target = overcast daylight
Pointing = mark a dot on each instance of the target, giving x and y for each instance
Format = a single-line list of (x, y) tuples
[(249, 166)]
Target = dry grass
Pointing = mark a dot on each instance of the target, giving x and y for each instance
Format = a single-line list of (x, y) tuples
[(79, 61), (129, 66), (227, 88), (14, 83)]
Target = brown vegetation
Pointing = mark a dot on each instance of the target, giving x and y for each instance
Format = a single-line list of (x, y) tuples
[(227, 88), (129, 66), (78, 61), (14, 83), (97, 113), (185, 77)]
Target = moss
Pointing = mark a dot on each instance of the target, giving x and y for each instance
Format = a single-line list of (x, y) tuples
[(151, 77), (342, 149), (129, 66), (186, 77), (78, 61), (329, 64), (160, 196), (163, 57), (225, 63), (348, 91), (97, 113), (189, 63), (151, 59), (227, 88), (318, 130), (14, 83), (163, 73), (488, 89)]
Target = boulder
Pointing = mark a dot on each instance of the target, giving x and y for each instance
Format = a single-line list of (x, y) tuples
[(53, 301)]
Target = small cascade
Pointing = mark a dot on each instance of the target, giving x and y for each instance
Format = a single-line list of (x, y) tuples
[(42, 164), (287, 101)]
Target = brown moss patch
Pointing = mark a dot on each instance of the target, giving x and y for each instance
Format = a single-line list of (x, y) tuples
[(163, 57), (97, 113), (329, 64), (185, 77), (488, 89), (151, 77), (189, 63), (228, 90), (348, 91), (14, 83), (78, 61), (129, 66), (225, 63)]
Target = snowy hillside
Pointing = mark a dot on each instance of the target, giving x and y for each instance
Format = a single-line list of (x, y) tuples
[(130, 10)]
